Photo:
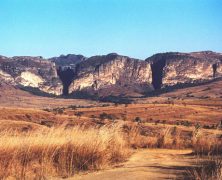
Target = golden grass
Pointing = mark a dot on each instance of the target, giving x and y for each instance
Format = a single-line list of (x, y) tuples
[(208, 146), (209, 157), (29, 150), (59, 151), (64, 151), (151, 113), (167, 137), (207, 170)]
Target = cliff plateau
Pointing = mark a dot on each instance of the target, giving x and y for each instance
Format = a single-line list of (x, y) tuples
[(110, 75), (169, 69)]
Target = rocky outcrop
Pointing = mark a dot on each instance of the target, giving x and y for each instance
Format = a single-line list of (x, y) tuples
[(111, 73), (33, 72), (67, 61), (169, 69), (66, 65)]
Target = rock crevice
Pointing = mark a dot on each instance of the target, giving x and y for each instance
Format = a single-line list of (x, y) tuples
[(66, 75)]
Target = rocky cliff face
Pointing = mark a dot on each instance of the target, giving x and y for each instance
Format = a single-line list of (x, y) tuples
[(177, 68), (112, 74), (66, 66), (32, 72)]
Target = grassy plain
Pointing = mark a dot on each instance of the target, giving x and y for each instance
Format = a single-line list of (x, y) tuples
[(44, 137)]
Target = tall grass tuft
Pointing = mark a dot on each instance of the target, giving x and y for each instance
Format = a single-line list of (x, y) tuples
[(169, 138), (59, 151), (209, 160), (207, 170), (206, 145)]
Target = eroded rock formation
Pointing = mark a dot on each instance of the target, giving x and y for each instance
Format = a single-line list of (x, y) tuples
[(110, 74), (33, 72), (177, 68)]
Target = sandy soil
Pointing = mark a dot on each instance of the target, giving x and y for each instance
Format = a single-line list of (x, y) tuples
[(147, 164)]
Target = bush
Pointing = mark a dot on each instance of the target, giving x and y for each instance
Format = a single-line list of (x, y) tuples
[(79, 114), (73, 107), (47, 110), (107, 116), (138, 119)]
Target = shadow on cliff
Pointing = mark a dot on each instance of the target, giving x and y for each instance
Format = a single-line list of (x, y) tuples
[(179, 86), (117, 99), (35, 91), (85, 95), (66, 76)]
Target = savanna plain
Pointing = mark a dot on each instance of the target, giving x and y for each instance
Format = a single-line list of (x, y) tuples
[(174, 135)]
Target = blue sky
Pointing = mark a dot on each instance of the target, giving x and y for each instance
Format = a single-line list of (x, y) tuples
[(137, 28)]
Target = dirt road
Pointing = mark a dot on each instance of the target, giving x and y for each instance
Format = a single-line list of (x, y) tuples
[(147, 164)]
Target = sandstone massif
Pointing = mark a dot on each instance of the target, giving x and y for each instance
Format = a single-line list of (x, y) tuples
[(110, 75), (172, 68), (35, 72)]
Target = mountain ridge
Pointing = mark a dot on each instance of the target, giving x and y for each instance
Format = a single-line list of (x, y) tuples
[(110, 74)]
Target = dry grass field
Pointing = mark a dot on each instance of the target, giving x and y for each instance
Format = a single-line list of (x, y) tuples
[(157, 113), (47, 138), (58, 151)]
